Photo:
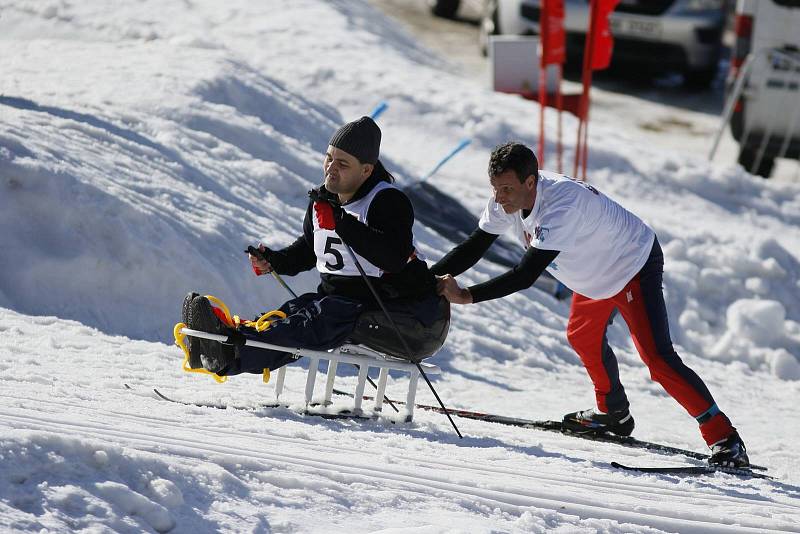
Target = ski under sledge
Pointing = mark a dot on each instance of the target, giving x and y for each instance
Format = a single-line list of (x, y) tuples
[(343, 414)]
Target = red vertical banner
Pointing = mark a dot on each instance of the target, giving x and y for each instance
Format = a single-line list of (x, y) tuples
[(553, 35), (603, 41), (596, 56), (553, 51)]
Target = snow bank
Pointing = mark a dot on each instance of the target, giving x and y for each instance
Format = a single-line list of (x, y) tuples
[(59, 484), (111, 214), (139, 161)]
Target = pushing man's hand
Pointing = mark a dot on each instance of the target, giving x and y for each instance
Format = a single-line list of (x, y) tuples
[(447, 287), (258, 259)]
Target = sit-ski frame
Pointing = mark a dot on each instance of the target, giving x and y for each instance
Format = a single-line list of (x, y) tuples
[(363, 357)]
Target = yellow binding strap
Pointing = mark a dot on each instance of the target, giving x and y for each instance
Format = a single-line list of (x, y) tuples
[(223, 307), (266, 320), (180, 338), (263, 323)]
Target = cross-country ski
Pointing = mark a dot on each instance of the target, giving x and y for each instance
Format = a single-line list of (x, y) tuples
[(691, 470)]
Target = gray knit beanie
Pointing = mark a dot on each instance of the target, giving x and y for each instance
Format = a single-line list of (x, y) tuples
[(360, 138)]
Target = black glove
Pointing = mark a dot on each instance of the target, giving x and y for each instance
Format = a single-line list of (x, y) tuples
[(320, 194), (327, 208), (263, 256), (257, 253)]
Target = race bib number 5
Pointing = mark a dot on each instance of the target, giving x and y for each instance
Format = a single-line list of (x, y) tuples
[(337, 255)]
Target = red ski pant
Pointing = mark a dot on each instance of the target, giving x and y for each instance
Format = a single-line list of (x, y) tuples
[(641, 304)]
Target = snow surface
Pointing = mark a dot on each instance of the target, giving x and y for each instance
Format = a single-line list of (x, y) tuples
[(144, 145)]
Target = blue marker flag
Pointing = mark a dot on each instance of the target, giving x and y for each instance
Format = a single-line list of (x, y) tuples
[(461, 146), (379, 109)]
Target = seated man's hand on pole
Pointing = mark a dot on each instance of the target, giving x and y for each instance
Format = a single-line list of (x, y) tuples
[(447, 287), (326, 208), (258, 259)]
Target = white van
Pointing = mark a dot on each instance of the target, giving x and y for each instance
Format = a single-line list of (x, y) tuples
[(766, 118)]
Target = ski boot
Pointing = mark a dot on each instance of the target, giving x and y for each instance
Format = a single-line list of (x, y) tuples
[(729, 452), (191, 342), (592, 421), (214, 356)]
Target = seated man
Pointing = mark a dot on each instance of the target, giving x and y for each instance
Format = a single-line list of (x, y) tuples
[(357, 220)]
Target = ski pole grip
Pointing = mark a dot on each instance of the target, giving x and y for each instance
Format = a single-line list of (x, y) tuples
[(260, 255), (255, 252)]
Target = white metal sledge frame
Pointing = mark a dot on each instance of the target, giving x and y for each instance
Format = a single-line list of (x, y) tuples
[(363, 357)]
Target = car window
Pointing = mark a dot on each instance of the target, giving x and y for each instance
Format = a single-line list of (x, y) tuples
[(787, 3)]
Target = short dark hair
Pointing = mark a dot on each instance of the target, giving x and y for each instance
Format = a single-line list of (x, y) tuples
[(515, 157)]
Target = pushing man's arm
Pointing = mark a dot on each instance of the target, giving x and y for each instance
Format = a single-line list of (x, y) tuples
[(464, 255), (520, 277)]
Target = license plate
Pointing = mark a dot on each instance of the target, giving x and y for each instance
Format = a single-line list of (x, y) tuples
[(635, 27)]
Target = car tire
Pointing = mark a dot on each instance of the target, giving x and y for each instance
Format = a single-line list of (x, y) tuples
[(700, 80), (444, 8), (747, 159)]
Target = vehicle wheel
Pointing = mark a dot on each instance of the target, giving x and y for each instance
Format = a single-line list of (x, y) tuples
[(700, 80), (490, 25), (747, 159), (444, 8)]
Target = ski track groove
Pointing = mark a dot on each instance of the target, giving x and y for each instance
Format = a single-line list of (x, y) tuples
[(325, 448), (434, 487), (516, 501)]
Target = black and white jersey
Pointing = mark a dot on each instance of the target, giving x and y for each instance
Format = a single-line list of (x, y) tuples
[(332, 255), (378, 227)]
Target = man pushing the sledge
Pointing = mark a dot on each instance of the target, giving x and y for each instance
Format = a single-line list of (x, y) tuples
[(610, 259), (357, 232)]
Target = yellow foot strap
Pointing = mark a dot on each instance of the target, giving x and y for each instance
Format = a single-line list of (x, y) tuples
[(263, 323), (180, 340)]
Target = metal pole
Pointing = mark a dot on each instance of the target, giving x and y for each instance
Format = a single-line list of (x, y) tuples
[(729, 105), (277, 277), (461, 146)]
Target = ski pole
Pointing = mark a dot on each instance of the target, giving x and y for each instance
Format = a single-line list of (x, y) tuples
[(400, 336), (277, 277), (258, 254), (255, 252)]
